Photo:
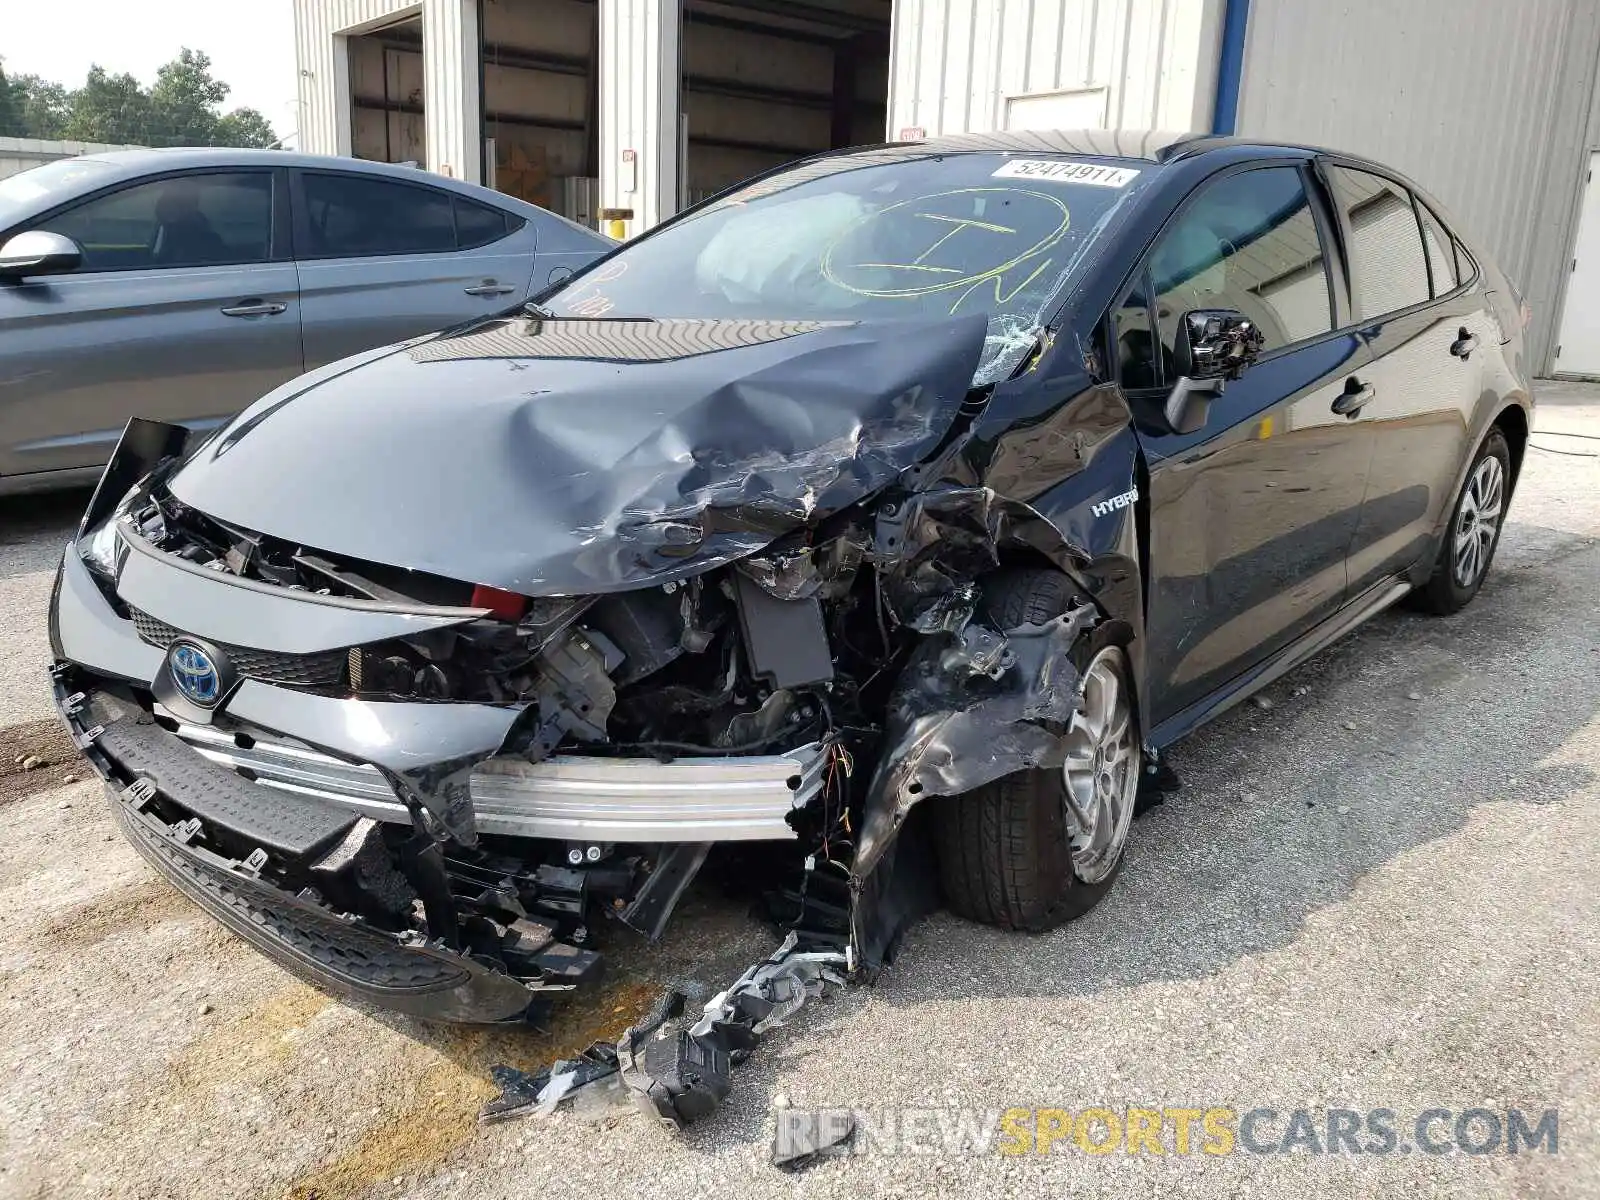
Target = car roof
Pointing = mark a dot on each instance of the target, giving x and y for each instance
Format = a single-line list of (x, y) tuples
[(1146, 145), (132, 163)]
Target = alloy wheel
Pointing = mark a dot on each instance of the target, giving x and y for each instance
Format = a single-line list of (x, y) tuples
[(1101, 772), (1478, 521)]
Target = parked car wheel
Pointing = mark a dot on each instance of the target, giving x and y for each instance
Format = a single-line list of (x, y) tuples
[(1475, 523), (1039, 848)]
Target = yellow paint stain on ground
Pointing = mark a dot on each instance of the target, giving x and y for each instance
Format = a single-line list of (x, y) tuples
[(140, 904), (251, 1046), (438, 1111)]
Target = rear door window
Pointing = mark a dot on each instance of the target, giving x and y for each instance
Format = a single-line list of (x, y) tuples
[(214, 219), (1389, 266), (357, 216), (1248, 242)]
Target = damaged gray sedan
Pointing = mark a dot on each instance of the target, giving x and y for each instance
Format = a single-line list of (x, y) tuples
[(882, 519)]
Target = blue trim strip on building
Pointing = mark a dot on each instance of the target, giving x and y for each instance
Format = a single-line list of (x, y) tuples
[(1230, 67)]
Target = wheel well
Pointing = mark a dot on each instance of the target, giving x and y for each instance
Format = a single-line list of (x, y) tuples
[(1513, 423)]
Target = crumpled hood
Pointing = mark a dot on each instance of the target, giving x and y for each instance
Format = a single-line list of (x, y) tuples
[(555, 457)]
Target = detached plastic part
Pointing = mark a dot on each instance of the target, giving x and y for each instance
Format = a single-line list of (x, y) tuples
[(803, 1137), (675, 1073)]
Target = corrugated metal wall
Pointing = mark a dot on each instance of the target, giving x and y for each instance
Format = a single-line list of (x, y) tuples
[(451, 62), (639, 107), (956, 63), (1484, 103)]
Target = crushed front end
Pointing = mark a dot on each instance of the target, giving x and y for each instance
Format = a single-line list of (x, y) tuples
[(448, 797), (434, 799)]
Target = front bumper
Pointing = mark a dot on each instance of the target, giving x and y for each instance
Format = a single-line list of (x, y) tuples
[(142, 766), (231, 805)]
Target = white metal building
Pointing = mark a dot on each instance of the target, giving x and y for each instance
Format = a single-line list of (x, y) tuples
[(649, 104)]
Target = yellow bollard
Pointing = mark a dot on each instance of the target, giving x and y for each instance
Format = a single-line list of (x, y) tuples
[(616, 222)]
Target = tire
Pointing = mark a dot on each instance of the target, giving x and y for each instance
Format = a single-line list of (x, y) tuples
[(1469, 539), (1006, 850)]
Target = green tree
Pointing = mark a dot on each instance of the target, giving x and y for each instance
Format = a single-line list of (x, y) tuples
[(245, 127), (109, 108), (185, 100), (10, 108), (40, 108), (182, 108)]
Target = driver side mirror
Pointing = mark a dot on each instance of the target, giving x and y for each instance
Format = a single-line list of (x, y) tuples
[(38, 252), (1213, 346)]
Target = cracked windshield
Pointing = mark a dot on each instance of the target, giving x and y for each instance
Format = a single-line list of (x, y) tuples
[(838, 240)]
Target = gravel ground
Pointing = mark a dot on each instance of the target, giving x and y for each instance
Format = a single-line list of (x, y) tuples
[(1381, 891)]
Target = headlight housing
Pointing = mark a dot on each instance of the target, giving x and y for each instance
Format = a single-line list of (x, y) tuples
[(100, 547)]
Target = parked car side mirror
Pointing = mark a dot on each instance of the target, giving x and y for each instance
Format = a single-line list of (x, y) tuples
[(39, 252), (1213, 346)]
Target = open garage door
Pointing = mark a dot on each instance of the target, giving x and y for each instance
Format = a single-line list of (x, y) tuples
[(540, 102), (387, 83), (769, 81)]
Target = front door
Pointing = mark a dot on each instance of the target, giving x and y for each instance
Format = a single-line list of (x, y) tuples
[(1251, 515), (185, 309), (382, 261)]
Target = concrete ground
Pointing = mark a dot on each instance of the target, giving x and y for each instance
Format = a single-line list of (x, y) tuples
[(1382, 891)]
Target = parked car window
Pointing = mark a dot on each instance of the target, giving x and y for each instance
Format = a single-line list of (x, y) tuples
[(477, 224), (183, 221), (355, 216), (1389, 265), (1441, 254), (1248, 242)]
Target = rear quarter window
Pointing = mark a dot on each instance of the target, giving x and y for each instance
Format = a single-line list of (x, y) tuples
[(1389, 267)]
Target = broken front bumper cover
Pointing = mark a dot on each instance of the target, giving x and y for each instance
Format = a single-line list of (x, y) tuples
[(345, 956), (282, 775)]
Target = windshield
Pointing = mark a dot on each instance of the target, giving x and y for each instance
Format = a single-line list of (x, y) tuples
[(40, 187), (874, 235)]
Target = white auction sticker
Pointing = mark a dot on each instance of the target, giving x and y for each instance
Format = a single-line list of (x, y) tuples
[(1058, 170)]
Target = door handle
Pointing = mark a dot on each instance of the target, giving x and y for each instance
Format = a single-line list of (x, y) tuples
[(489, 288), (1355, 396), (1464, 344), (255, 308)]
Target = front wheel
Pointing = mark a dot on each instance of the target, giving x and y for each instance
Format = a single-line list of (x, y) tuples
[(1474, 531), (1038, 848)]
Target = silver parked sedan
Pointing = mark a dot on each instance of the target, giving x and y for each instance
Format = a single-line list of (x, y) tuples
[(182, 285)]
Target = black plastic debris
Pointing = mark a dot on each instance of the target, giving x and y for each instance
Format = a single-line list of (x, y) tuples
[(804, 1137)]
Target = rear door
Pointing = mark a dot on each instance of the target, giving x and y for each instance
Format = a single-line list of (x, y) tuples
[(185, 309), (382, 260), (1429, 332), (1250, 516)]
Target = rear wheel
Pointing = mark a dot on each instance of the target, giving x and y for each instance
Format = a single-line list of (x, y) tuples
[(1474, 530), (1038, 848)]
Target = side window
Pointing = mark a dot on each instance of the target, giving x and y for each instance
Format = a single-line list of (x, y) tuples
[(477, 224), (1248, 242), (1134, 335), (1441, 254), (1387, 257), (355, 216), (210, 220)]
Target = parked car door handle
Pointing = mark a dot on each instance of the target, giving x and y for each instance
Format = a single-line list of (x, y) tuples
[(1464, 344), (490, 288), (255, 308), (1354, 397)]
